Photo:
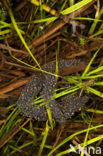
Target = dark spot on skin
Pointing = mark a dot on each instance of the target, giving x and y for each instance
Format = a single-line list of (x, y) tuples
[(43, 85)]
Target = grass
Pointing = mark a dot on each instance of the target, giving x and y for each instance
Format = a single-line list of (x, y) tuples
[(70, 137), (12, 133)]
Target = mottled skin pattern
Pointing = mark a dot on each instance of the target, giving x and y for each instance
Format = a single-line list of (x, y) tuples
[(44, 84)]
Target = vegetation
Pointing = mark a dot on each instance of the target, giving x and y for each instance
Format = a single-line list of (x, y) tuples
[(32, 34)]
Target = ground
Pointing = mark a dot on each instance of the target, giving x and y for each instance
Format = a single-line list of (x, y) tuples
[(28, 42)]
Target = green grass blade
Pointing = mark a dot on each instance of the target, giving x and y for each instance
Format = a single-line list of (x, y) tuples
[(45, 133), (95, 111), (70, 9), (93, 26), (89, 65), (9, 123), (95, 71), (76, 7), (70, 137), (91, 141), (94, 91), (20, 35)]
